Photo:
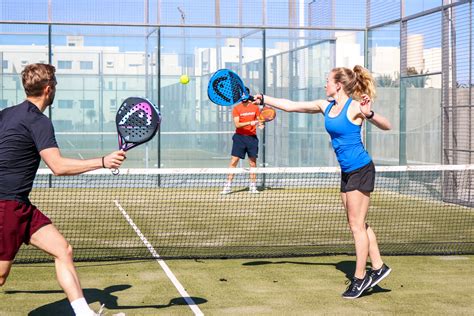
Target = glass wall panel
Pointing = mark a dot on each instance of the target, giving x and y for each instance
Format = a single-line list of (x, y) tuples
[(298, 71), (459, 94), (20, 45), (421, 103), (423, 45), (119, 61), (198, 133), (383, 46)]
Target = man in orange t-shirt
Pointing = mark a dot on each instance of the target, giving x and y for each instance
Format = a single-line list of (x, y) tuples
[(245, 141)]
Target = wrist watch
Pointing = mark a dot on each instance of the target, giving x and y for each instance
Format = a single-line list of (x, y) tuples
[(371, 115)]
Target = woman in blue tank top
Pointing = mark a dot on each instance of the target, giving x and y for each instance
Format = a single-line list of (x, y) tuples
[(350, 94)]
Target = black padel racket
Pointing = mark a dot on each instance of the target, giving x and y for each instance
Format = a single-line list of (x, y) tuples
[(137, 122)]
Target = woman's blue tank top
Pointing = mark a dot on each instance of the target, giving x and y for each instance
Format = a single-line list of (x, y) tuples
[(346, 139)]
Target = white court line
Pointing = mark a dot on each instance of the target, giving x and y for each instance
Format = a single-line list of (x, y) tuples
[(162, 263)]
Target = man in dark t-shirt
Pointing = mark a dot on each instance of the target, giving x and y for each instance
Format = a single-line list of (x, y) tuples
[(26, 137), (25, 132)]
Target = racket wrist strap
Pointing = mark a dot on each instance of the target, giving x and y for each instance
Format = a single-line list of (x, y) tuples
[(103, 162)]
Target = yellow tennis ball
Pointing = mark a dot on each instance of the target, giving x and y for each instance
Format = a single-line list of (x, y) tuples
[(184, 79)]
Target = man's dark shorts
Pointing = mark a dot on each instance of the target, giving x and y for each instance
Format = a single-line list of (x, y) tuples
[(362, 179), (243, 144), (18, 222)]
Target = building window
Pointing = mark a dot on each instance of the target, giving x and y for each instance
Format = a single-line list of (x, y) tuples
[(124, 85), (5, 64), (65, 104), (3, 103), (64, 64), (86, 65), (110, 85), (87, 104), (113, 105), (232, 66), (205, 67)]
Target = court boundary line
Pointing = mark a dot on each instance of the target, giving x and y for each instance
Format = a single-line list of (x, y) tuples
[(196, 310)]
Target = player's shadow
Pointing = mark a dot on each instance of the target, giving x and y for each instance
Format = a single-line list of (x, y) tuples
[(346, 267), (62, 307)]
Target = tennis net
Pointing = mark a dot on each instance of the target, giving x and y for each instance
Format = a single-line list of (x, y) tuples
[(180, 213)]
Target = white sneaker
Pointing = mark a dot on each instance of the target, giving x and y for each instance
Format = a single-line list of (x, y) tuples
[(226, 190), (253, 190), (102, 312)]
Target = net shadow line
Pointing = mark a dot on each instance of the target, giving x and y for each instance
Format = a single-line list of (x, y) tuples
[(182, 291)]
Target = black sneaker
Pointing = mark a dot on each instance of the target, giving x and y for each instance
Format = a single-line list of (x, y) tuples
[(357, 287), (379, 275)]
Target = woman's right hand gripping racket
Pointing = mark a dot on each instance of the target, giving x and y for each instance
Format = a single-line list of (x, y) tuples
[(137, 122)]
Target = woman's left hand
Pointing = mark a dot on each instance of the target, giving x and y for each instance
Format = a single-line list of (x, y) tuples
[(365, 105)]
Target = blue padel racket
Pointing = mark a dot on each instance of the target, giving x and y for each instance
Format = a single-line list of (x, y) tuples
[(226, 88), (137, 122)]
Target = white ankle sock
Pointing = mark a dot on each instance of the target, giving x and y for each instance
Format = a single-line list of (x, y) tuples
[(81, 308)]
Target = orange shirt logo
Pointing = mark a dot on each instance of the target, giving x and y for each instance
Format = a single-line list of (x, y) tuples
[(246, 113)]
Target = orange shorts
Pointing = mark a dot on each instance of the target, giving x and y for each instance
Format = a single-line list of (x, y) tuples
[(18, 222)]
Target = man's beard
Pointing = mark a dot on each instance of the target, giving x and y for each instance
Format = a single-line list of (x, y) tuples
[(50, 100)]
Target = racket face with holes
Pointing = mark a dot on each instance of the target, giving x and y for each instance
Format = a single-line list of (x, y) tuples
[(137, 122), (226, 88), (267, 114)]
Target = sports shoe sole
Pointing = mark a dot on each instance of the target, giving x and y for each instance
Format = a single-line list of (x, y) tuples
[(383, 277)]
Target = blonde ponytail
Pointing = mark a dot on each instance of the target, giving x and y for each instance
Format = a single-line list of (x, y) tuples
[(365, 83), (355, 82)]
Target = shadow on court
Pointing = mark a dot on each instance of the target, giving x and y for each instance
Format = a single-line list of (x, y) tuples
[(104, 296), (346, 267)]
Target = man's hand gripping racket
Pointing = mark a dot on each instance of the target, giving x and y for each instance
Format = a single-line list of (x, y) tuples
[(137, 121)]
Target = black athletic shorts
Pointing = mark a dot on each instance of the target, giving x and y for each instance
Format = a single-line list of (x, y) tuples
[(362, 179), (243, 144)]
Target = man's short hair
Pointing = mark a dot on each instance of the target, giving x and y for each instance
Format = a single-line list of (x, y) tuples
[(36, 77)]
